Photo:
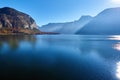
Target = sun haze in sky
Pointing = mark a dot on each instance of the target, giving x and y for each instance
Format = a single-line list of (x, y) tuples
[(116, 1)]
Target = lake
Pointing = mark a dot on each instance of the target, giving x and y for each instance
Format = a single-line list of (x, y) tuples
[(60, 57)]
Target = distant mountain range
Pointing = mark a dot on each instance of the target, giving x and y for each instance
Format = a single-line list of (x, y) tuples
[(68, 27), (105, 23)]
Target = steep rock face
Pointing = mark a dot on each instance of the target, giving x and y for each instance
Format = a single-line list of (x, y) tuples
[(14, 22), (68, 27), (12, 18), (105, 23)]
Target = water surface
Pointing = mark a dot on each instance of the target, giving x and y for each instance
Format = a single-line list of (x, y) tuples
[(60, 57)]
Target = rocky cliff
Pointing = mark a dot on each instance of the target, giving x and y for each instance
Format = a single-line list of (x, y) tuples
[(14, 22)]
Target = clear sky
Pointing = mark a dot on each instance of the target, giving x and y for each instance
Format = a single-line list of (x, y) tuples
[(48, 11)]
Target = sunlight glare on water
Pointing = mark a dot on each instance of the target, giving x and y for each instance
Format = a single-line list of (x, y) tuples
[(118, 70), (115, 37), (117, 46)]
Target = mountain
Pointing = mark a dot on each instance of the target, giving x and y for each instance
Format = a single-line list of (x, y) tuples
[(105, 23), (68, 27), (16, 22), (52, 27)]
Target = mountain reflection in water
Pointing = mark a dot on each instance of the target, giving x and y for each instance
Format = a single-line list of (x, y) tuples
[(13, 41), (60, 57)]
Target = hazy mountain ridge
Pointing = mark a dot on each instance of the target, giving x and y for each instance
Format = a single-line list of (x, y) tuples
[(68, 27), (105, 23), (52, 27)]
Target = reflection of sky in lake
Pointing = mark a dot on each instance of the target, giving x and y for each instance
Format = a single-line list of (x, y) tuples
[(63, 57)]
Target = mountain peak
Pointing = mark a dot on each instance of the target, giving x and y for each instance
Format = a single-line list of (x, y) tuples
[(110, 11), (106, 22), (115, 8), (10, 17), (67, 27), (85, 17), (10, 11), (6, 8), (13, 20)]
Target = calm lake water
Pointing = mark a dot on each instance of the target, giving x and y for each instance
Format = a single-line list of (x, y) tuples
[(60, 57)]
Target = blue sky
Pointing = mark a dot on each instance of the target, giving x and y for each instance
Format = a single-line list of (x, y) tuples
[(48, 11)]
